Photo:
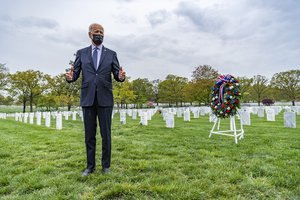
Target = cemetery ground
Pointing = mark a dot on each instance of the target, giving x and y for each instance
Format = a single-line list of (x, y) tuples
[(151, 162)]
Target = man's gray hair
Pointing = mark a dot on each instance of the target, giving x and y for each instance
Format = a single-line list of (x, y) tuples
[(92, 25)]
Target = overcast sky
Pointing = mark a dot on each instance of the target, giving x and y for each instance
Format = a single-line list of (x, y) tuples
[(155, 38)]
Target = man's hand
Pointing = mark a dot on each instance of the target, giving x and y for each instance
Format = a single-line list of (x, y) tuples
[(122, 73), (69, 74)]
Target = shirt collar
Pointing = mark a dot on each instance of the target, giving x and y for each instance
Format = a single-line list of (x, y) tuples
[(99, 47)]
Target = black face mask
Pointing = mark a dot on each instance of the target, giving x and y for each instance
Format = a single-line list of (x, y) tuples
[(97, 39)]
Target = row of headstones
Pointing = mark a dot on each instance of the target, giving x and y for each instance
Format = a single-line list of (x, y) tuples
[(29, 117), (244, 114), (170, 113), (289, 115), (145, 115), (167, 113)]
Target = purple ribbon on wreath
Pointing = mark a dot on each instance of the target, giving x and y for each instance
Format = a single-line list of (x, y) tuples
[(222, 80)]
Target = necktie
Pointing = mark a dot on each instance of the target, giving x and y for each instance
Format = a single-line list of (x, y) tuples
[(95, 57)]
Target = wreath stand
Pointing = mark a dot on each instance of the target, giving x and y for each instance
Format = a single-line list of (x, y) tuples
[(236, 133)]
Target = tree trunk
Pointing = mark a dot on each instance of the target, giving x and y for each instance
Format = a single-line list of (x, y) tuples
[(69, 107), (24, 106), (293, 103), (30, 103)]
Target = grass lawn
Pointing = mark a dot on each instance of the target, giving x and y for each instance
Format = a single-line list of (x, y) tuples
[(152, 162)]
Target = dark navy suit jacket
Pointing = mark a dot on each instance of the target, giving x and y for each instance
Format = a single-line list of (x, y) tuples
[(96, 80)]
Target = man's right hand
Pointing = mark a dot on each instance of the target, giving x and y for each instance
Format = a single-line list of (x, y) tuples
[(69, 74)]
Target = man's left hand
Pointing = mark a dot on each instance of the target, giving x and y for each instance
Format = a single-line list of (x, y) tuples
[(122, 73)]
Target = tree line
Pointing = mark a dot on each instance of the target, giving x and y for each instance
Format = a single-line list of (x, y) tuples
[(36, 89)]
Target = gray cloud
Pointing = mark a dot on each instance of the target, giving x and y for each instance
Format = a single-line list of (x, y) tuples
[(245, 37), (36, 22), (157, 17), (204, 19), (79, 37)]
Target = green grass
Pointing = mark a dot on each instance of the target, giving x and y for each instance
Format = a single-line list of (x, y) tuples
[(152, 162)]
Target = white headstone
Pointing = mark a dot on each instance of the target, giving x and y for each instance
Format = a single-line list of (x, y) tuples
[(59, 121), (129, 112), (254, 110), (21, 117), (270, 114), (48, 119), (261, 112), (212, 117), (196, 113), (80, 113), (289, 119), (179, 112), (245, 116), (38, 118), (202, 111), (187, 115), (74, 115), (170, 122), (66, 114), (149, 112), (31, 116), (53, 114), (134, 113), (16, 116), (123, 116), (144, 119), (298, 110), (25, 118)]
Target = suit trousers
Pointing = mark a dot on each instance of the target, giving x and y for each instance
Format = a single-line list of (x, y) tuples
[(90, 115)]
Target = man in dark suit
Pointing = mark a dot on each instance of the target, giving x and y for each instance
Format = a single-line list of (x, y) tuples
[(96, 63)]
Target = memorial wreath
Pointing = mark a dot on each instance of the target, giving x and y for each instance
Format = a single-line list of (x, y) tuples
[(225, 96)]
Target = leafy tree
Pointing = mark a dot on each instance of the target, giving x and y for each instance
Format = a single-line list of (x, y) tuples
[(203, 90), (288, 83), (127, 93), (48, 101), (65, 94), (27, 86), (259, 87), (6, 100), (189, 92), (204, 72), (123, 93), (155, 96), (142, 89), (4, 73), (171, 89), (245, 87), (203, 78)]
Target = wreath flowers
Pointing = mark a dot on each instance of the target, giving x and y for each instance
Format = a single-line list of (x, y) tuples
[(225, 96)]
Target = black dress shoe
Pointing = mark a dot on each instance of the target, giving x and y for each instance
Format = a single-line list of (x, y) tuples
[(105, 171), (87, 172)]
